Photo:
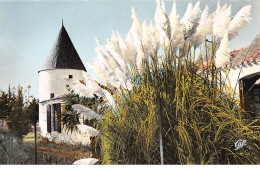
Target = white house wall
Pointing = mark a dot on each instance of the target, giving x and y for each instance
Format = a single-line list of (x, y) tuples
[(247, 70)]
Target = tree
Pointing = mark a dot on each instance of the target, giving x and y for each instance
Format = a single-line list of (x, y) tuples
[(4, 108), (32, 111), (19, 109)]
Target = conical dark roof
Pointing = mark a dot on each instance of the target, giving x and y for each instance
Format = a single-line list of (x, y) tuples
[(63, 54)]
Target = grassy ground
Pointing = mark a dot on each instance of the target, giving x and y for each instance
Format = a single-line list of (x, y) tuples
[(15, 151), (57, 153)]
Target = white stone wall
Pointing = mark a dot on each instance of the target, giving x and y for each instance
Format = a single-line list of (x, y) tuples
[(43, 118), (53, 81)]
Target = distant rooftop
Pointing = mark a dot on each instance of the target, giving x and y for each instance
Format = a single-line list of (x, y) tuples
[(251, 57), (245, 55), (63, 54)]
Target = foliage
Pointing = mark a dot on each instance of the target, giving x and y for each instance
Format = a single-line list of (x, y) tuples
[(187, 96), (19, 109), (169, 101), (32, 111), (70, 118), (200, 122), (4, 108)]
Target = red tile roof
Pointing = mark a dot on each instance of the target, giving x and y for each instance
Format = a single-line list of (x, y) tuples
[(234, 53), (252, 56)]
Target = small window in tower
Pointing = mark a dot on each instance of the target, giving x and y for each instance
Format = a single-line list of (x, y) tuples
[(70, 76), (52, 95)]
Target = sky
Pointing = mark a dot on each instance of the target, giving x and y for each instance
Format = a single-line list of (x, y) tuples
[(28, 29)]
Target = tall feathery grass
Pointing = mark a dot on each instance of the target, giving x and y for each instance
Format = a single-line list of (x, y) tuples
[(167, 94), (200, 121)]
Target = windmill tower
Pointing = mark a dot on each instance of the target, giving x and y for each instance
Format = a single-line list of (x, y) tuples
[(62, 66)]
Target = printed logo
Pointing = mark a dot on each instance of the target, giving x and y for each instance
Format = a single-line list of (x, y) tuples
[(239, 144)]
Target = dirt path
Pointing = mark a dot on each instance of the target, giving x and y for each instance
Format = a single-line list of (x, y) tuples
[(67, 155)]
